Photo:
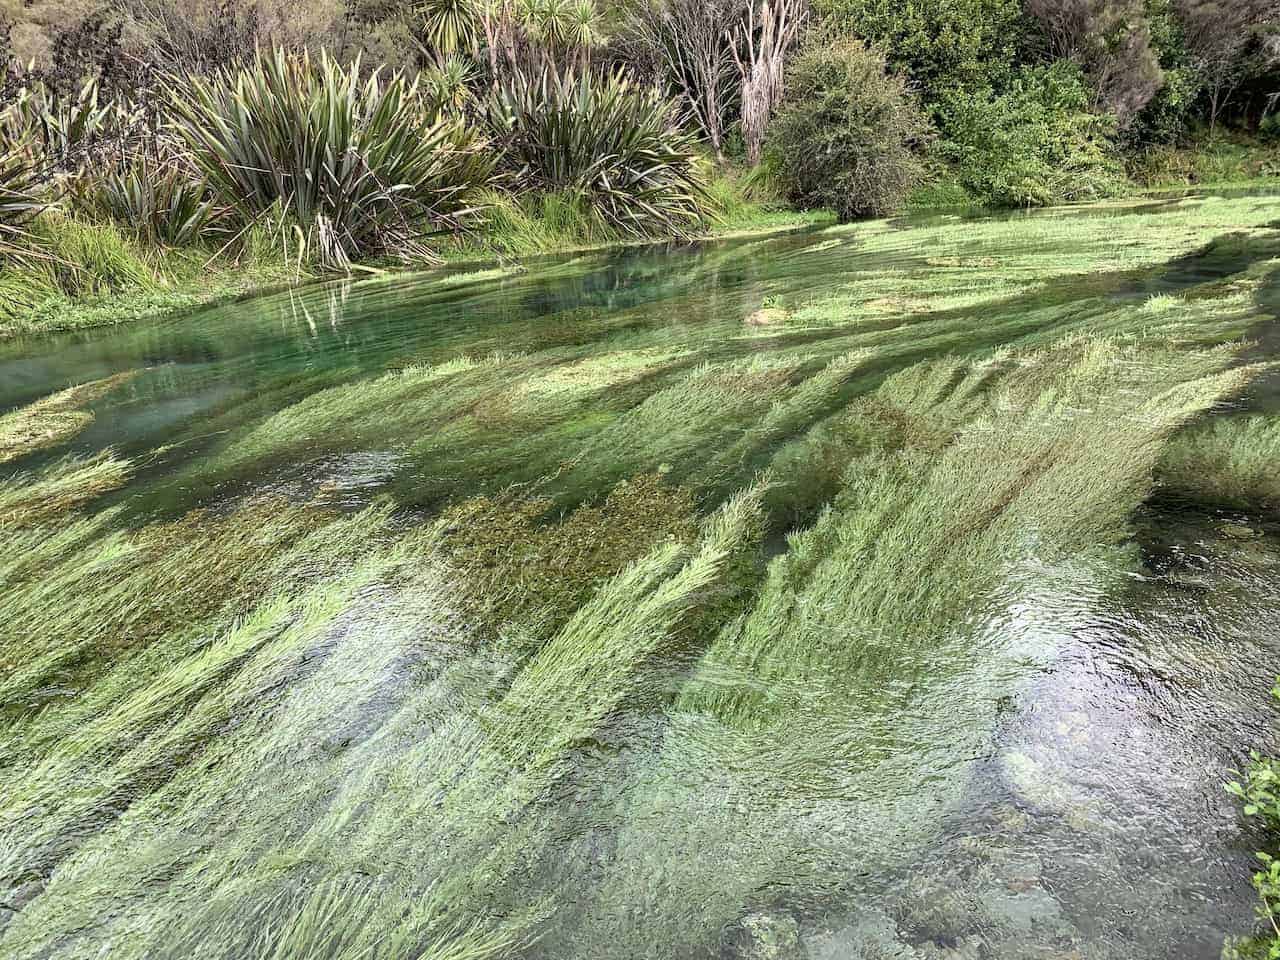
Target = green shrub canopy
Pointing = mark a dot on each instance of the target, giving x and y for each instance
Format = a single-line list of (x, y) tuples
[(847, 132)]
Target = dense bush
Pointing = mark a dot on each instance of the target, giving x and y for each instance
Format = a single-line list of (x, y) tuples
[(362, 167), (1112, 42), (942, 45), (1269, 129), (847, 133), (1037, 143), (615, 148)]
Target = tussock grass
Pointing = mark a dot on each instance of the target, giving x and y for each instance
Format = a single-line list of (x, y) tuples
[(84, 259)]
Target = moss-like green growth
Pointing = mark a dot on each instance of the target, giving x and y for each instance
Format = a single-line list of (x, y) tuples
[(53, 419)]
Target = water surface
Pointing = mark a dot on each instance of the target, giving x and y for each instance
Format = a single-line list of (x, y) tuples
[(948, 679)]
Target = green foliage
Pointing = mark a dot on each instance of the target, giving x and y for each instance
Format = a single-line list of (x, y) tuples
[(362, 167), (846, 133), (1223, 160), (1036, 144), (160, 203), (1258, 790), (89, 258), (1269, 129), (607, 141), (942, 46), (21, 198), (450, 26), (449, 82), (520, 569)]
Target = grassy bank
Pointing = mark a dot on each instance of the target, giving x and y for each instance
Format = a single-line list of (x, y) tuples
[(1225, 161), (118, 279)]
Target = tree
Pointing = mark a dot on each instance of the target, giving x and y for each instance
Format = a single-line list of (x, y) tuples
[(1111, 42), (760, 48), (690, 41), (940, 45), (1229, 42)]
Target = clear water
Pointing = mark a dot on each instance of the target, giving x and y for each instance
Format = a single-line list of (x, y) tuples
[(1052, 791)]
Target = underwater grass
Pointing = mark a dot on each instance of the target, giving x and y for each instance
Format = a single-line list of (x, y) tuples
[(522, 567), (54, 419), (569, 700), (801, 715), (27, 499), (486, 774), (1229, 462)]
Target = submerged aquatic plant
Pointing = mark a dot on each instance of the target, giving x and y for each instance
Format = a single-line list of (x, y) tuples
[(53, 419), (1225, 462), (27, 499), (584, 670)]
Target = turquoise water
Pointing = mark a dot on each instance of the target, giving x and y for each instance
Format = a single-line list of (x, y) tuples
[(1034, 772)]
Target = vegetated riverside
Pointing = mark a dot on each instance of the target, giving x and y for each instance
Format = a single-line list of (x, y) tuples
[(906, 589)]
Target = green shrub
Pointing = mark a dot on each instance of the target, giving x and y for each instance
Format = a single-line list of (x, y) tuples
[(1259, 793), (614, 145), (846, 133), (942, 45), (364, 167), (1269, 129), (21, 198), (158, 202), (1219, 161), (1036, 144)]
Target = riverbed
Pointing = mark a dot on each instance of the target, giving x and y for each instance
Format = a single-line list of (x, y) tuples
[(831, 594)]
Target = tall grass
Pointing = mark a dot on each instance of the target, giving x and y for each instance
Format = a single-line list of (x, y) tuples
[(85, 258)]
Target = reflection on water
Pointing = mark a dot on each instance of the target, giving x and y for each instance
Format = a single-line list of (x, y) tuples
[(789, 597)]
